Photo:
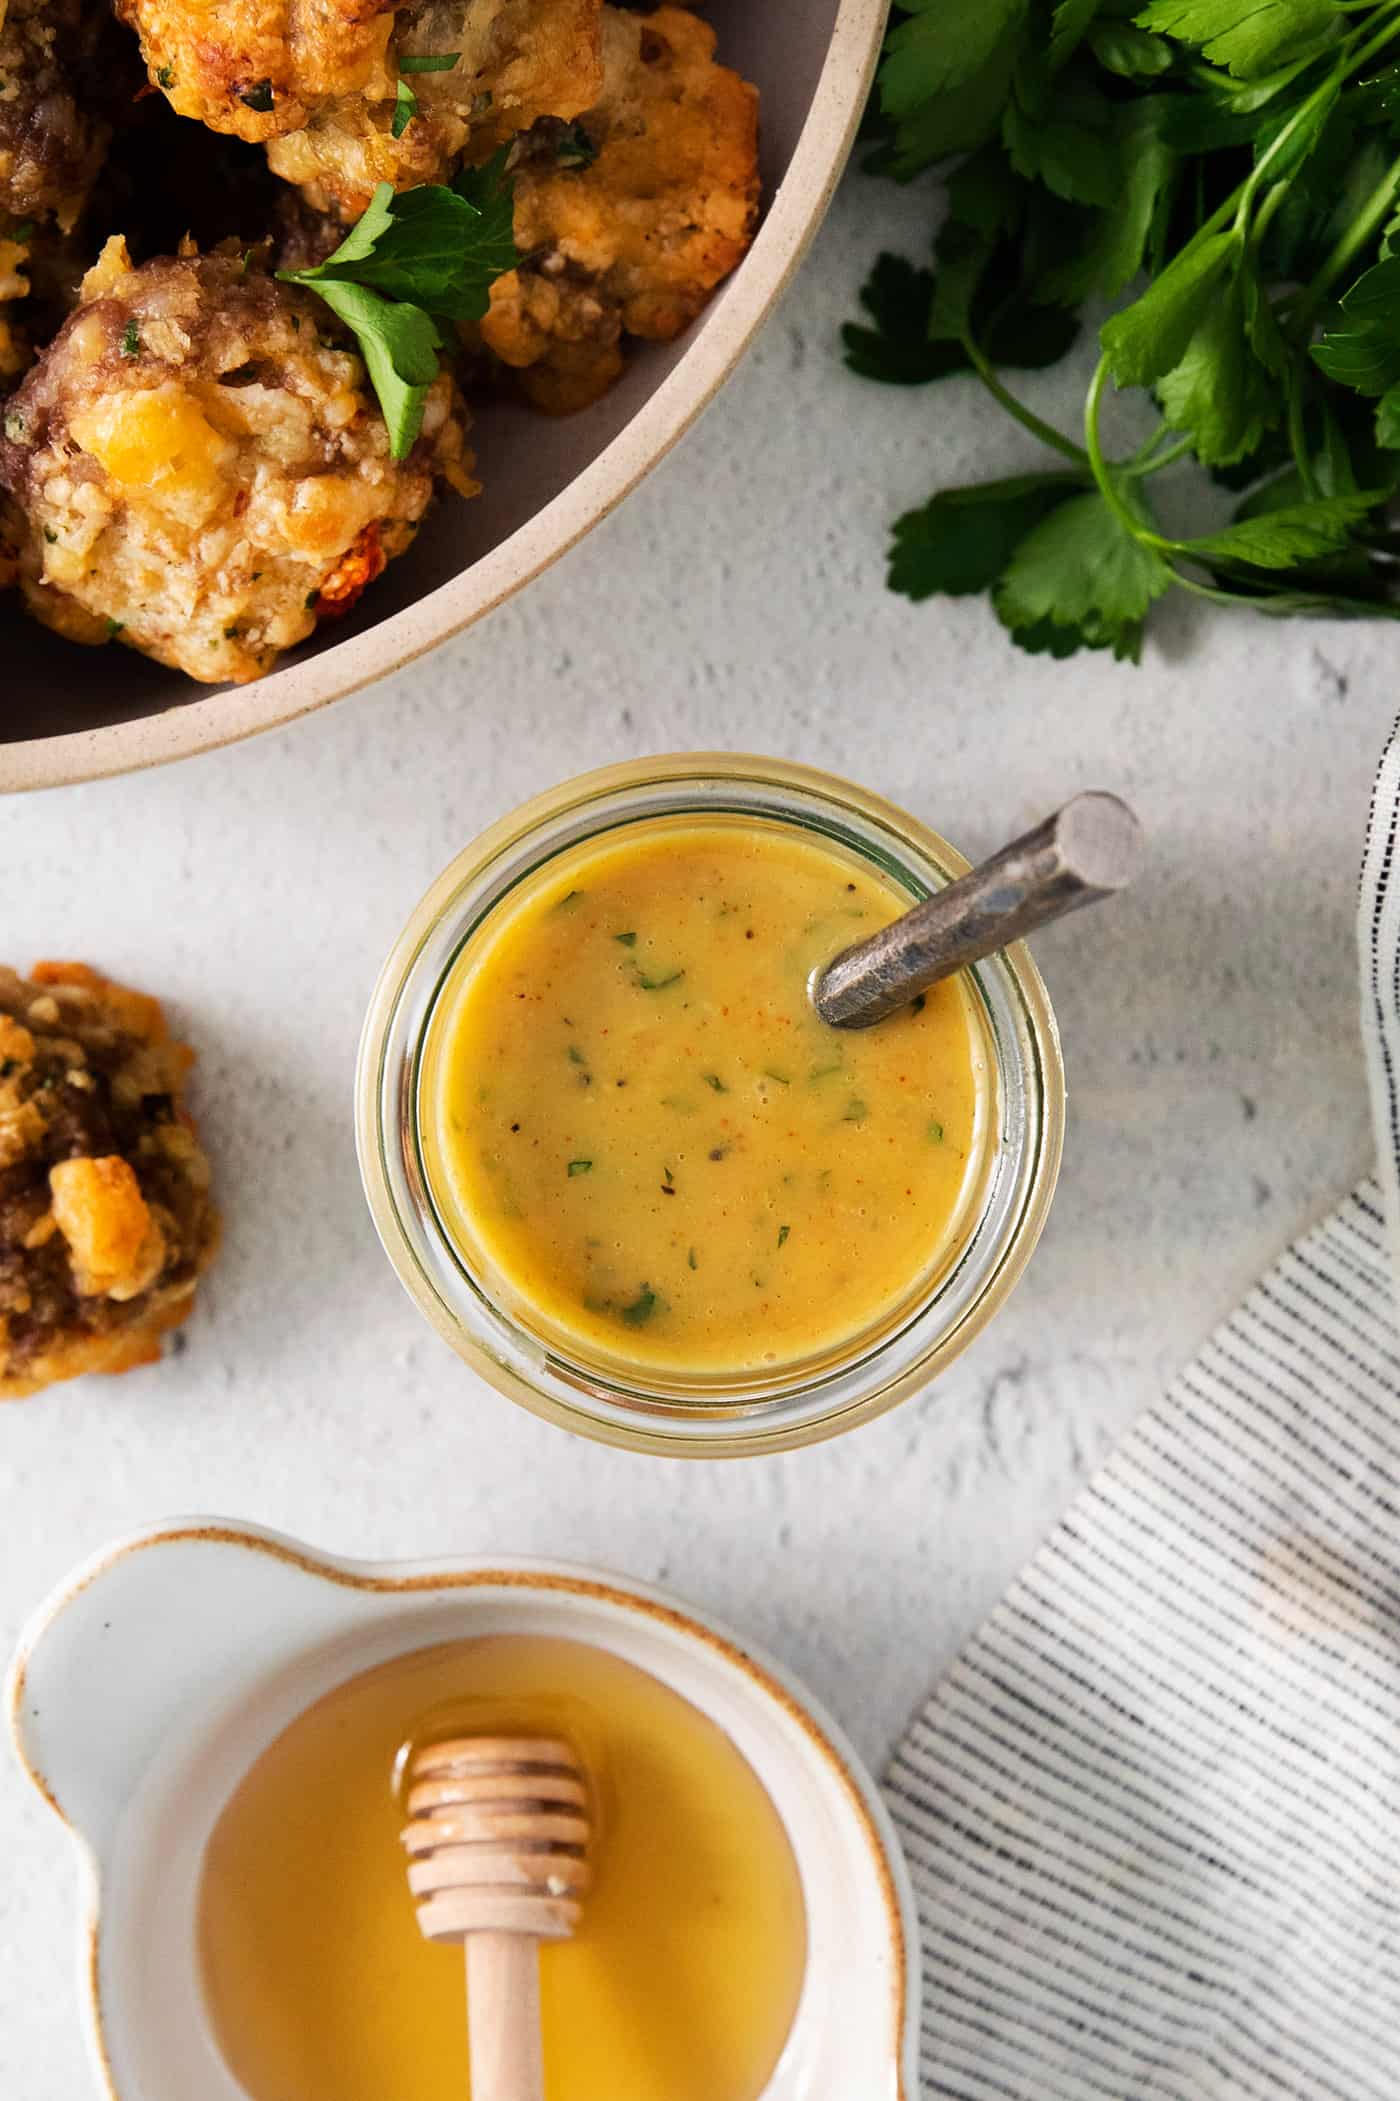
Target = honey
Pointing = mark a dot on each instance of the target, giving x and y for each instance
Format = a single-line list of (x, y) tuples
[(681, 1983)]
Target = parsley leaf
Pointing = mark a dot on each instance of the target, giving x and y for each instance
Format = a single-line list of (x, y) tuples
[(1281, 539), (962, 539), (427, 254), (1151, 336), (1121, 48), (1082, 574), (897, 296), (1220, 393), (400, 345), (1361, 348), (1110, 256), (1248, 36), (942, 45), (428, 61), (405, 110), (437, 248)]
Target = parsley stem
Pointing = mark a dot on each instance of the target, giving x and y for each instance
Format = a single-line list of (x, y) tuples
[(1103, 473), (1352, 241), (1297, 433), (1150, 461), (1027, 418)]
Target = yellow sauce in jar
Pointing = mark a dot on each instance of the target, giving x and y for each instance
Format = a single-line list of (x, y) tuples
[(684, 1974), (644, 1141)]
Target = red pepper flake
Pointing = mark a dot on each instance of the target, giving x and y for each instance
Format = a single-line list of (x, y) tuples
[(357, 568)]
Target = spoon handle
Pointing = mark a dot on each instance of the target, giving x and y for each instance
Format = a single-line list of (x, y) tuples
[(1085, 851)]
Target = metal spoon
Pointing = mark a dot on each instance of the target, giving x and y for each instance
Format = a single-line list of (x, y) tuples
[(1086, 851)]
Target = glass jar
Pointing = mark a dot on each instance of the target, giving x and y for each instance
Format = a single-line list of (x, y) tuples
[(764, 1411)]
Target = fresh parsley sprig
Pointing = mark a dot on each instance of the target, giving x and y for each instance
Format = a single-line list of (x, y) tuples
[(412, 260), (1235, 165)]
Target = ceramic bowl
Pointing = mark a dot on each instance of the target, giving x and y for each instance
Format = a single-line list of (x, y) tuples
[(156, 1675), (69, 714)]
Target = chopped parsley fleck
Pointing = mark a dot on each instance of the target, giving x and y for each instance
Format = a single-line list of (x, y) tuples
[(658, 984), (165, 77), (823, 1072), (856, 1111), (258, 97), (570, 897), (405, 110), (712, 1079), (131, 340), (576, 1056), (627, 940), (783, 1232), (781, 1077), (51, 536), (692, 1259), (935, 1131), (310, 599), (231, 631), (428, 61), (114, 627), (643, 1306), (21, 231), (580, 1167)]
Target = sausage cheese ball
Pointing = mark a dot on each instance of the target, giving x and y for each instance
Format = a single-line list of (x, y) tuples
[(105, 1219), (202, 469), (515, 61), (633, 241), (50, 149), (257, 68)]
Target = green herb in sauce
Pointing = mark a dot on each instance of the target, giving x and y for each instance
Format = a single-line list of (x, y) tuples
[(935, 1131), (712, 1079), (580, 1167), (781, 1077), (627, 940), (643, 1306), (576, 1056), (856, 1111), (658, 984), (783, 1232)]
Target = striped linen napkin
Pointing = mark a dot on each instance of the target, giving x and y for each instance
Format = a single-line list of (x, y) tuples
[(1153, 1812)]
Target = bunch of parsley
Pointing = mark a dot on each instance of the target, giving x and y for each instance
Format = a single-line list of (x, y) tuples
[(411, 260), (1223, 174)]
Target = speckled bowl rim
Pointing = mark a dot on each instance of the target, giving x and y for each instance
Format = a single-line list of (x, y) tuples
[(772, 1679), (792, 220)]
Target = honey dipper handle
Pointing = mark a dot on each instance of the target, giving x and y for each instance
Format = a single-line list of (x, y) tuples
[(503, 2005)]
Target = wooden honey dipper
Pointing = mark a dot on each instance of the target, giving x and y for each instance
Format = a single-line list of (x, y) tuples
[(498, 1859)]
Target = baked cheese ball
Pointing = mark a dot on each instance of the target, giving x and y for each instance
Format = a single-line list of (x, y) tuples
[(50, 147), (202, 468), (515, 61), (258, 68), (630, 219), (106, 1222)]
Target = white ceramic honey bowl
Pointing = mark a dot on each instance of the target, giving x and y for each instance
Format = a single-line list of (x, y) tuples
[(160, 1671)]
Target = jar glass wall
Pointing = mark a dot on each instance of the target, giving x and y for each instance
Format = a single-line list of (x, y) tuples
[(770, 1407)]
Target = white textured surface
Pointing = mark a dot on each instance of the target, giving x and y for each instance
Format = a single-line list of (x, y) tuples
[(1209, 1020)]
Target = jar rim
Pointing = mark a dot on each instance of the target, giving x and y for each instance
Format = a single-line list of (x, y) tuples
[(762, 1416)]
